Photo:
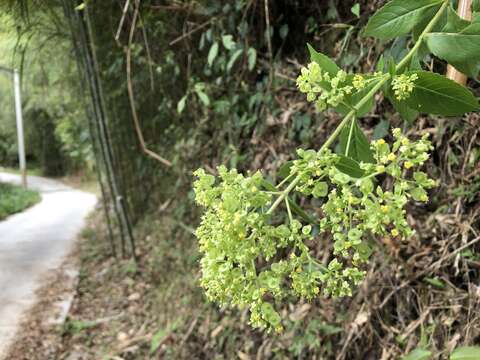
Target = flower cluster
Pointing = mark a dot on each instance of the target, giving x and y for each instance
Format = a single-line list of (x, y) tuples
[(403, 85), (253, 258), (322, 88), (241, 265), (357, 207)]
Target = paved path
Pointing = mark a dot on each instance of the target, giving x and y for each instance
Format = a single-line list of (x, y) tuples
[(33, 242)]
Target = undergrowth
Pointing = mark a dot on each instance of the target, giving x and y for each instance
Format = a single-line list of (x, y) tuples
[(14, 199)]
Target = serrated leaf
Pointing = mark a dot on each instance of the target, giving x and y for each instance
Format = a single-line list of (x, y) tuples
[(426, 18), (461, 49), (349, 166), (418, 354), (326, 64), (252, 58), (435, 94), (212, 53), (398, 17), (356, 141), (466, 353)]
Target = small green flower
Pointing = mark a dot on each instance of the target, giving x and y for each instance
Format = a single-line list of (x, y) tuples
[(403, 85), (359, 82), (321, 88)]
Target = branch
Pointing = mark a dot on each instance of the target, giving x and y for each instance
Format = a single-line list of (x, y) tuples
[(131, 99)]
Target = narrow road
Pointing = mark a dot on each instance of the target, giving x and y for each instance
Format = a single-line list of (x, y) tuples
[(34, 242)]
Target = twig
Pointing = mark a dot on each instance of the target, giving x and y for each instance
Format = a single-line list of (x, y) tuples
[(199, 27), (120, 25), (149, 57), (131, 96), (427, 270), (269, 43)]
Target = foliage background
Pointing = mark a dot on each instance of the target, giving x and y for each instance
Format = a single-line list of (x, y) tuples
[(235, 103)]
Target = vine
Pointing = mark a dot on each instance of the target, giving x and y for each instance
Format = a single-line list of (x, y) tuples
[(256, 241)]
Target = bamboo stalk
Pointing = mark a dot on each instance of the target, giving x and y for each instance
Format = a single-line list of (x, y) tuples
[(465, 12)]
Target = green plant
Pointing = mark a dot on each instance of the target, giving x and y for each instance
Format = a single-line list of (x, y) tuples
[(14, 199), (256, 255)]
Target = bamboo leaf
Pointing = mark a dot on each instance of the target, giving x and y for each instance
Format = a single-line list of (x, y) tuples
[(398, 17), (252, 58), (234, 58), (181, 104), (212, 53)]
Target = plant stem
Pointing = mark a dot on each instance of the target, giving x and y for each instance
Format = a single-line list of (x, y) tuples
[(333, 136), (350, 133), (283, 194), (290, 217), (419, 41)]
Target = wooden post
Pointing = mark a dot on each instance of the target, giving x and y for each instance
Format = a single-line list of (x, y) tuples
[(465, 12)]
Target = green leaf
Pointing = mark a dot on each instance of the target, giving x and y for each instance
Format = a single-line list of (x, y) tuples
[(349, 166), (398, 17), (454, 22), (435, 94), (476, 5), (418, 354), (381, 129), (284, 31), (356, 10), (462, 49), (284, 170), (212, 53), (293, 205), (466, 353), (435, 282), (252, 58), (203, 98), (353, 99), (234, 58), (228, 42), (80, 7), (181, 104), (326, 64), (406, 113), (356, 141)]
